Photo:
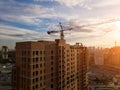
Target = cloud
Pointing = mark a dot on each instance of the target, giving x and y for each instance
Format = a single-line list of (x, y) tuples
[(23, 12), (96, 28), (14, 35), (104, 3), (37, 17), (93, 25), (74, 3), (89, 4), (10, 32), (7, 37), (70, 3), (33, 14)]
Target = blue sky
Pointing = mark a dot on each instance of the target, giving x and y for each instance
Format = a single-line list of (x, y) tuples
[(29, 20)]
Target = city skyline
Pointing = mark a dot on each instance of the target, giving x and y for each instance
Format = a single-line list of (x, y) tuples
[(29, 20)]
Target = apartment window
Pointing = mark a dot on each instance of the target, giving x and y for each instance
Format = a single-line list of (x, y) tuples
[(24, 65), (51, 80), (51, 85), (52, 68), (68, 83), (36, 72), (52, 74), (41, 65), (68, 64), (28, 53), (28, 60), (51, 57), (67, 50), (33, 73), (51, 51), (33, 52), (40, 84), (28, 66), (28, 88), (36, 79), (36, 65), (67, 55), (33, 59), (67, 59), (24, 53), (72, 88), (40, 52), (36, 86), (33, 66), (24, 73), (33, 80), (52, 63), (41, 78), (40, 71), (33, 88), (40, 58), (24, 59), (36, 52), (36, 59), (44, 52)]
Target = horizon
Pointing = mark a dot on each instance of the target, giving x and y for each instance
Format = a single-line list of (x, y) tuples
[(96, 47), (29, 20)]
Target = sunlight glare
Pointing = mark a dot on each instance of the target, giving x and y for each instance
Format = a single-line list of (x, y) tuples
[(116, 35), (117, 24)]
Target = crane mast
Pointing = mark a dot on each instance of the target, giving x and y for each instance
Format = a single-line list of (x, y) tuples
[(61, 32)]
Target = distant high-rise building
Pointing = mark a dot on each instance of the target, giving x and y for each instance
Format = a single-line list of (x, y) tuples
[(4, 52), (112, 58), (91, 60), (50, 65), (96, 55), (99, 56)]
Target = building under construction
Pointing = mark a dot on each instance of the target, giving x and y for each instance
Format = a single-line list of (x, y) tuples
[(50, 65)]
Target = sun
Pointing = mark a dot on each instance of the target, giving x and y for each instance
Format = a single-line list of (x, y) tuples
[(117, 24), (115, 33)]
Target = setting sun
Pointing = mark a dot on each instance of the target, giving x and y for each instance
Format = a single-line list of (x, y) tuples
[(116, 32), (116, 35), (117, 24)]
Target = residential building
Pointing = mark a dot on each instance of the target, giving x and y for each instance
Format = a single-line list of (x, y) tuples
[(50, 65), (91, 60), (4, 52), (99, 56), (96, 55), (112, 58)]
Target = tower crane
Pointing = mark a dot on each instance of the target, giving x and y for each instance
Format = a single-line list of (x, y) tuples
[(61, 31), (79, 27)]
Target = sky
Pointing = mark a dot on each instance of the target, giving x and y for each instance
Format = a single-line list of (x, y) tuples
[(93, 22)]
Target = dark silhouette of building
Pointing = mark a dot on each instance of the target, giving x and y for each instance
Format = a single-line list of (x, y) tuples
[(4, 52), (50, 65)]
